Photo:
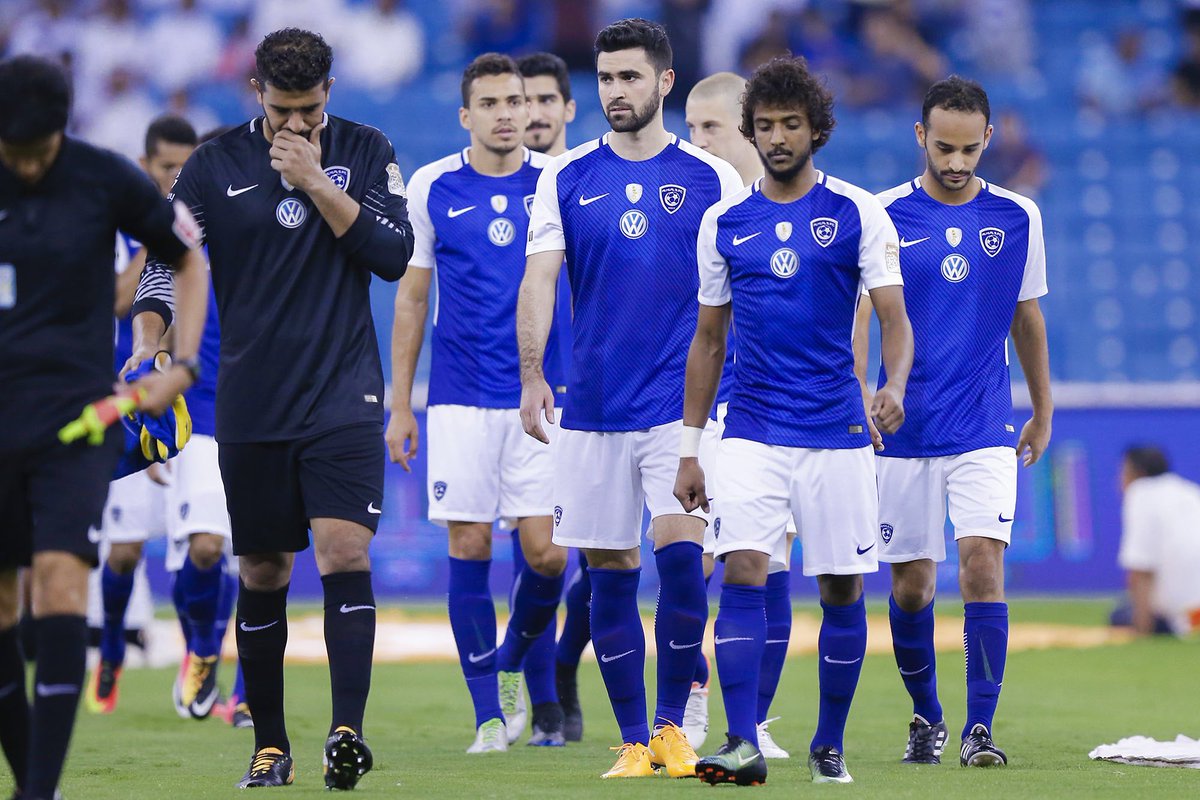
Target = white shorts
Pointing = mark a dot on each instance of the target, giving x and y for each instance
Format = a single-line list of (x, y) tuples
[(830, 493), (135, 511), (980, 488), (195, 499), (602, 480), (484, 467)]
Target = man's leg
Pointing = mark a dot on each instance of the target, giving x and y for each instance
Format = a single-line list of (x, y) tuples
[(841, 645), (199, 584), (910, 614), (618, 638), (576, 633), (779, 633), (682, 611), (262, 633), (14, 699), (985, 637)]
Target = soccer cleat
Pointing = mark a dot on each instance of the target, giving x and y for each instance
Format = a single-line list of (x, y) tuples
[(347, 758), (925, 742), (633, 761), (102, 690), (200, 690), (547, 726), (565, 679), (669, 747), (828, 766), (695, 716), (766, 744), (269, 767), (512, 703), (737, 761), (241, 718), (490, 738), (177, 688), (978, 749)]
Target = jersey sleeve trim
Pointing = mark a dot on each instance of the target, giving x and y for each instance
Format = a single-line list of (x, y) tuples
[(419, 186), (545, 220), (731, 181), (878, 243), (1033, 283), (890, 196), (716, 287)]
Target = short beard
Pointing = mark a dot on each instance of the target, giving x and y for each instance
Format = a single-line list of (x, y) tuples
[(937, 176), (542, 147), (785, 175), (639, 117), (503, 151)]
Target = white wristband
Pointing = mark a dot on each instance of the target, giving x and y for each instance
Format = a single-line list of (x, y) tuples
[(689, 442)]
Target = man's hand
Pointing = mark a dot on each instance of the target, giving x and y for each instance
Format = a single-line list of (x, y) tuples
[(536, 398), (403, 437), (160, 473), (136, 359), (161, 389), (887, 410), (876, 437), (298, 159), (689, 485), (1035, 435)]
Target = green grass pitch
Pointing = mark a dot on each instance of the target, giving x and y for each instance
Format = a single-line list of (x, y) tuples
[(1057, 705)]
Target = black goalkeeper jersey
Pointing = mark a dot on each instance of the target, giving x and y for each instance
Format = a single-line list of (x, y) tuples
[(57, 245), (298, 348)]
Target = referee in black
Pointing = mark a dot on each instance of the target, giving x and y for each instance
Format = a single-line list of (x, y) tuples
[(61, 204), (298, 208)]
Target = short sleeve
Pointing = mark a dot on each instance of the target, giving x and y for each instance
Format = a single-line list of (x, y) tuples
[(424, 236), (731, 180), (1033, 284), (878, 245), (545, 219), (1137, 551), (145, 216), (715, 287)]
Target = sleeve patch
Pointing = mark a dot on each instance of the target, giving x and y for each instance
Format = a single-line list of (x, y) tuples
[(891, 257), (395, 182)]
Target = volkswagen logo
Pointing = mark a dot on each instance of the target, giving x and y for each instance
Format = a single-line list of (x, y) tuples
[(634, 224), (955, 267), (501, 232), (785, 262), (290, 212)]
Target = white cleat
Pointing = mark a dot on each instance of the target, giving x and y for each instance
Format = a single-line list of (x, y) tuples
[(766, 744), (490, 738), (512, 703), (695, 716)]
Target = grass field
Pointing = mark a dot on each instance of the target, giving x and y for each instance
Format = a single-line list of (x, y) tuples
[(1057, 705)]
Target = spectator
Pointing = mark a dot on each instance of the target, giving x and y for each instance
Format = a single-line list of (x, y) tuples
[(383, 46), (236, 62), (500, 26), (48, 30), (729, 31), (1160, 546), (684, 20), (123, 112), (1013, 162), (897, 65), (770, 42), (185, 44), (1120, 79), (1185, 78), (999, 37), (109, 41)]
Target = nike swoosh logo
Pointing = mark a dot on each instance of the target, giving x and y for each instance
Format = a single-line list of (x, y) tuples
[(475, 659), (346, 609), (1002, 519), (904, 671), (253, 628), (776, 641), (3, 215), (12, 687), (744, 761), (458, 212), (610, 659), (55, 689), (231, 192), (202, 709), (371, 509), (907, 243), (684, 646), (583, 201), (829, 660), (719, 640), (862, 550), (739, 239), (525, 635)]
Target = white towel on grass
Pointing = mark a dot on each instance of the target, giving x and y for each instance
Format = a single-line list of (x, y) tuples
[(1146, 752)]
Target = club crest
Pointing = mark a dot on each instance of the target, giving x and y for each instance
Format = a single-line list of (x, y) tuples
[(439, 490), (824, 230), (783, 230), (557, 515), (499, 203), (991, 240), (885, 532), (633, 191), (671, 196), (953, 236), (340, 176), (529, 204), (184, 508)]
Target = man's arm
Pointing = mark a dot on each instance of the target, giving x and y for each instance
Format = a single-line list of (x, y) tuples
[(127, 283), (1141, 587), (860, 342), (887, 408), (1029, 335), (706, 357), (408, 332), (535, 313)]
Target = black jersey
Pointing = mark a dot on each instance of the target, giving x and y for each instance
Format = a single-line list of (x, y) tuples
[(57, 245), (298, 348)]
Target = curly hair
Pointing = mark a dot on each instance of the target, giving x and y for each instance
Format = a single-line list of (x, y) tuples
[(293, 60), (37, 99), (486, 64), (627, 34), (785, 82), (956, 94)]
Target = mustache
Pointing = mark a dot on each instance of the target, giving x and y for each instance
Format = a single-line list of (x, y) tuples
[(537, 126), (779, 151)]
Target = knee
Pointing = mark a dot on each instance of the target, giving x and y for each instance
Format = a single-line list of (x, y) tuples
[(59, 584), (709, 563), (123, 558), (840, 590), (472, 542), (344, 556), (550, 561), (913, 588), (205, 549), (9, 605), (981, 575), (746, 568), (261, 573)]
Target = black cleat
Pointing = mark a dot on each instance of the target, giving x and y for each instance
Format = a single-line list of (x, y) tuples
[(547, 726), (925, 742), (978, 749), (241, 717), (269, 767), (347, 759), (828, 766), (568, 698), (737, 761)]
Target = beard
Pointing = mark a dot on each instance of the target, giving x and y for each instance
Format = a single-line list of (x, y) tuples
[(638, 117), (541, 138), (942, 180), (786, 174)]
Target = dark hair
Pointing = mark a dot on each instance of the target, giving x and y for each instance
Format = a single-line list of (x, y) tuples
[(956, 94), (37, 99), (220, 130), (1148, 460), (627, 34), (486, 64), (293, 60), (169, 128), (785, 82), (536, 64)]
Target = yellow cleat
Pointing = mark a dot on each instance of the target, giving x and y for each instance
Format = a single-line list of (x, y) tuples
[(669, 748), (633, 761)]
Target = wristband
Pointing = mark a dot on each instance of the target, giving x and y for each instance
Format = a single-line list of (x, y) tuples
[(689, 441)]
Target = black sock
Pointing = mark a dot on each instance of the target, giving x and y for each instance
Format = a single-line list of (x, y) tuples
[(28, 639), (14, 704), (58, 680), (350, 642), (262, 634)]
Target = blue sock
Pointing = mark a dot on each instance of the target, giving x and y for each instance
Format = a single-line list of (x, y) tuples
[(534, 603), (115, 592), (226, 603), (985, 640), (702, 672), (912, 642), (473, 620), (620, 647), (779, 631), (539, 667), (177, 600), (201, 591), (239, 685), (678, 626), (741, 633), (577, 627), (841, 645)]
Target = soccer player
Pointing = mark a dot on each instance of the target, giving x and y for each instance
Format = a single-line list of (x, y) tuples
[(61, 205), (298, 208), (468, 210), (786, 258), (974, 266), (625, 210)]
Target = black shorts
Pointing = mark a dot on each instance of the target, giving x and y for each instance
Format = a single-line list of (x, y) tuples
[(273, 489), (51, 498)]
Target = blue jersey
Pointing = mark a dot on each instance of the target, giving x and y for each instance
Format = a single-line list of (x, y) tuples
[(202, 397), (793, 272), (628, 229), (126, 248), (965, 267)]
